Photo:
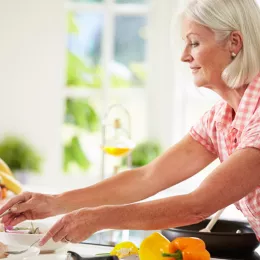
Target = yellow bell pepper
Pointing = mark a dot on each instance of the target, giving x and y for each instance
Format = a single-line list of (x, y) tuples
[(124, 249), (153, 247)]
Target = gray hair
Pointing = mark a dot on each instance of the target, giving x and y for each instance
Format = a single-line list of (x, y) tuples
[(224, 17)]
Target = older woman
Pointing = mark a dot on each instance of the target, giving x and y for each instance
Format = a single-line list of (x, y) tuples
[(222, 49)]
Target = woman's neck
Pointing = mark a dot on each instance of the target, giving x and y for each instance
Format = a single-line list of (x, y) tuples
[(232, 96)]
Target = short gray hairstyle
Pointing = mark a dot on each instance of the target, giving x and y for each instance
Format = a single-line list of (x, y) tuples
[(224, 17)]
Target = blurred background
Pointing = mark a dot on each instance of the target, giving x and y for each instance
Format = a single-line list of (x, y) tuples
[(64, 63)]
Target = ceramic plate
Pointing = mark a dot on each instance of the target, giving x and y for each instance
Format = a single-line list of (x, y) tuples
[(33, 251)]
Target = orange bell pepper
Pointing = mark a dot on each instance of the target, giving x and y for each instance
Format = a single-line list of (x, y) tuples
[(187, 248)]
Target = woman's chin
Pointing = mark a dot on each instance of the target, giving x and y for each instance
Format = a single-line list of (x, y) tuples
[(199, 84)]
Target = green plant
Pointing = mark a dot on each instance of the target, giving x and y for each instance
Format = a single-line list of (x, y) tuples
[(81, 113), (71, 25), (20, 155), (80, 117), (73, 154), (144, 153), (78, 73), (81, 75)]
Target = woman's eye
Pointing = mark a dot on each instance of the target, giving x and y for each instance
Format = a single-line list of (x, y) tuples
[(194, 44)]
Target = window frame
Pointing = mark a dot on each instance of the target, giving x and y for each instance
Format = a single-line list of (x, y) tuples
[(109, 10)]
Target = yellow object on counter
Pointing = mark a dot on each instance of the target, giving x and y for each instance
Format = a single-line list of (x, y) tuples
[(5, 168), (188, 248), (124, 249), (153, 247), (10, 183)]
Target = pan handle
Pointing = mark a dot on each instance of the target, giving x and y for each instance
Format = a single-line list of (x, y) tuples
[(74, 256), (212, 221)]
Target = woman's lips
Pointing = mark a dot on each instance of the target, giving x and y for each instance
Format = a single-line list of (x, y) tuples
[(195, 69)]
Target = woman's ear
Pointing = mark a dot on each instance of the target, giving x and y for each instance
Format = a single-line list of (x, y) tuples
[(236, 43)]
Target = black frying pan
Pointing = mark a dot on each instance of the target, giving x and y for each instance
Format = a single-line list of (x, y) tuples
[(223, 241)]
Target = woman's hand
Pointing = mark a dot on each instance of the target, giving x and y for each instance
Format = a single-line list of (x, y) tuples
[(74, 227), (28, 206)]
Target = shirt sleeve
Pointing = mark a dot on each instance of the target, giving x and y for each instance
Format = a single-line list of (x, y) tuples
[(204, 131), (250, 136)]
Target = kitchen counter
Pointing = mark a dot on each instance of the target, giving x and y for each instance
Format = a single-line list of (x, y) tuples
[(89, 250), (109, 237), (96, 244)]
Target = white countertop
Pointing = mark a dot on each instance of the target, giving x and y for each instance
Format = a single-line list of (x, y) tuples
[(230, 213), (81, 249)]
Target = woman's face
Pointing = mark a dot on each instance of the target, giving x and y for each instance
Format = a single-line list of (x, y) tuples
[(207, 58)]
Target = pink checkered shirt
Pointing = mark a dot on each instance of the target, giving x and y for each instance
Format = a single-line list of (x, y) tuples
[(222, 136)]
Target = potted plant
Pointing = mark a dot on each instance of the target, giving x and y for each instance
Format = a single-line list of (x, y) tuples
[(21, 157), (144, 153)]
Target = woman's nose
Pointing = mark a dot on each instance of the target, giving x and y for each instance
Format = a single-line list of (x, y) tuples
[(186, 57)]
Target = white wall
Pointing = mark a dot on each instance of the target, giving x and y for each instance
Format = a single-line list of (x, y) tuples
[(32, 48), (161, 72)]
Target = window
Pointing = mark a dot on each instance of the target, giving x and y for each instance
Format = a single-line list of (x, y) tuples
[(106, 64), (109, 46)]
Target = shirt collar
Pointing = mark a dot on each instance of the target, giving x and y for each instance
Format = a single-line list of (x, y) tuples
[(246, 107)]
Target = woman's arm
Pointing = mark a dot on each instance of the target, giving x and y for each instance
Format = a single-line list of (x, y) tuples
[(229, 182), (180, 162)]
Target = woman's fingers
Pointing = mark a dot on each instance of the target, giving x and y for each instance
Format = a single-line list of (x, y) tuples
[(18, 219), (65, 239), (52, 232), (61, 234), (13, 219), (16, 212), (22, 207), (7, 219), (11, 203)]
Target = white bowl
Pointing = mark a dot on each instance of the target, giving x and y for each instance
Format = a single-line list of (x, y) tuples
[(16, 239)]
